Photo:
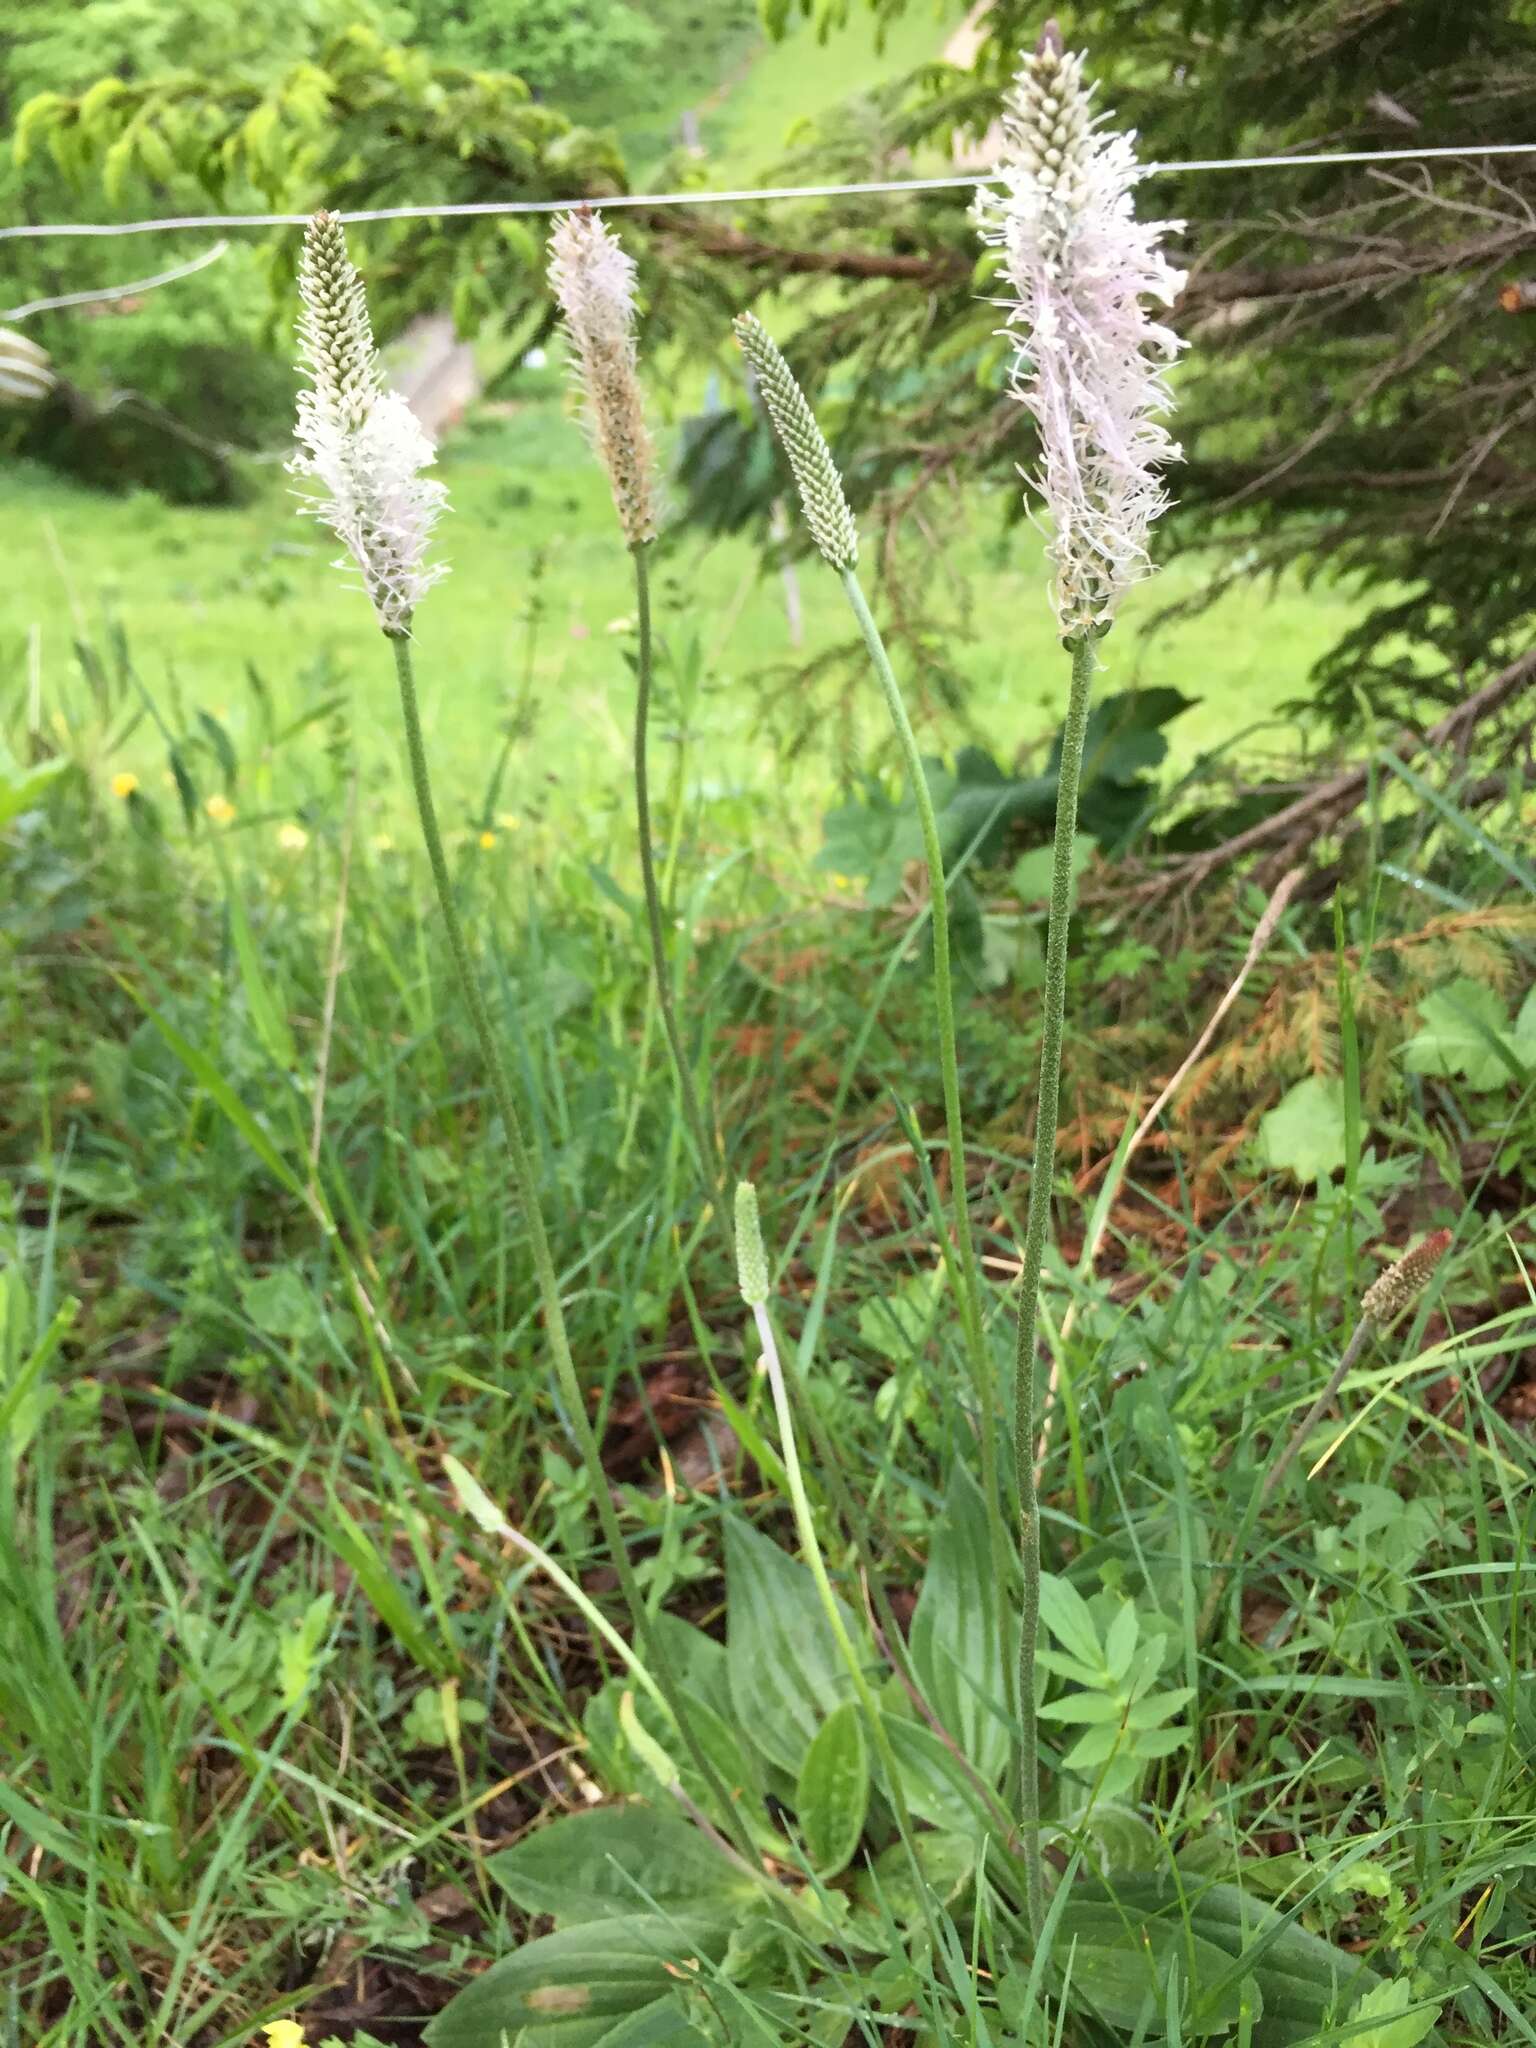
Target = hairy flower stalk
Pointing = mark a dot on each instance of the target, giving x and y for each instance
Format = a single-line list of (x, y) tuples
[(831, 523), (362, 444), (1079, 266), (1089, 368), (355, 443), (594, 283)]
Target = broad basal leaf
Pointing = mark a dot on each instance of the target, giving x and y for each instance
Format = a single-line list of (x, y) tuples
[(957, 1641), (832, 1796), (571, 1989), (786, 1673), (615, 1861)]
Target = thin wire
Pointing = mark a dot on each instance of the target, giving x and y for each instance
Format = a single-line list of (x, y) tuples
[(496, 208), (117, 291)]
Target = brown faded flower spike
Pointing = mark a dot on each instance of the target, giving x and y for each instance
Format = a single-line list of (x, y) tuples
[(1391, 1292), (594, 282)]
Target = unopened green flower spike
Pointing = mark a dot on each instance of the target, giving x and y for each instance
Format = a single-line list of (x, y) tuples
[(827, 511)]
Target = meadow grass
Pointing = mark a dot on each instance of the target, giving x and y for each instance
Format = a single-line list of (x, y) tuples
[(270, 1706), (538, 614)]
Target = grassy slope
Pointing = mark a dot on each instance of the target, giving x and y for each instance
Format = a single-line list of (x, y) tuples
[(200, 594)]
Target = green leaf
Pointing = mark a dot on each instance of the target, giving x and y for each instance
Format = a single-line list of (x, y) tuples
[(662, 2025), (957, 1635), (1120, 1641), (832, 1796), (202, 1069), (610, 1862), (1305, 1982), (267, 1012), (1032, 871), (381, 1589), (932, 1778), (1303, 1134), (786, 1674), (884, 1888), (1465, 1030), (1123, 1963), (571, 1989), (28, 1375), (22, 789), (1399, 2026), (1065, 1613)]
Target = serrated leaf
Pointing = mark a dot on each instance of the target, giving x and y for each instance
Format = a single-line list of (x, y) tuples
[(785, 1671), (612, 1861), (1400, 2021), (832, 1795), (957, 1637), (1303, 1134), (1093, 1749), (1091, 1709), (1463, 1037), (1120, 1641)]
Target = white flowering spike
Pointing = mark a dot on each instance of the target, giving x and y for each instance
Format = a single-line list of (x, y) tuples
[(1079, 265), (594, 282), (26, 375), (362, 444)]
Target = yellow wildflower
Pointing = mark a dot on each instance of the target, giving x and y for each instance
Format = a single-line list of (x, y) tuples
[(220, 809), (382, 843), (125, 783), (487, 841), (292, 838), (284, 2034)]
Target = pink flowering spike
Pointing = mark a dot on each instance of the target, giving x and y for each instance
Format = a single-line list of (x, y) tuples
[(1089, 357), (362, 444)]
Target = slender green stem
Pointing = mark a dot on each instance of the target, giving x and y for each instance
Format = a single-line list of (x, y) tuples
[(970, 1293), (526, 1190), (699, 1128), (1026, 1762), (989, 1418), (806, 1529), (710, 1164), (990, 1422)]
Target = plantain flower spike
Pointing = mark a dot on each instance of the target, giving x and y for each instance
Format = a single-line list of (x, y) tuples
[(361, 444), (751, 1259), (593, 281), (26, 375), (1089, 357), (827, 511), (1403, 1282)]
